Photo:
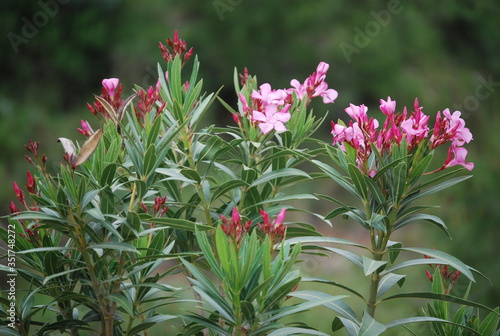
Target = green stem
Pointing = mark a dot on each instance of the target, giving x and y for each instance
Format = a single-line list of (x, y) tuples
[(104, 306), (374, 281)]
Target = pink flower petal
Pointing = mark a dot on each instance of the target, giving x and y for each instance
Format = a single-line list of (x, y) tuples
[(266, 127)]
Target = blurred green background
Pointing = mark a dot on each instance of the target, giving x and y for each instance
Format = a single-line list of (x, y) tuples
[(54, 54)]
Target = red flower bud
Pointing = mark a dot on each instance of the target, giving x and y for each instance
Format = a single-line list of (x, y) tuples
[(19, 193), (429, 275), (31, 183), (13, 208)]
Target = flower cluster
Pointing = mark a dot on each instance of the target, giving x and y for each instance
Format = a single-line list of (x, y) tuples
[(234, 228), (30, 234), (178, 47), (274, 229), (449, 277), (270, 108), (85, 130), (111, 92), (363, 133), (315, 86), (32, 147), (149, 99)]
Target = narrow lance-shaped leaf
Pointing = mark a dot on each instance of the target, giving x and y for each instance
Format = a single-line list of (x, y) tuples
[(88, 147), (388, 281), (109, 109), (359, 181), (68, 146), (451, 260), (435, 296), (370, 265), (370, 327), (421, 319)]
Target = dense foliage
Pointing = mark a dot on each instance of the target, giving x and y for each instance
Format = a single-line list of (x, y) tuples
[(152, 183)]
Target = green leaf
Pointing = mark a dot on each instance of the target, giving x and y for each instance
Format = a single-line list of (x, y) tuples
[(191, 174), (153, 131), (436, 188), (289, 331), (415, 262), (303, 306), (149, 160), (150, 322), (376, 221), (388, 281), (423, 217), (399, 182), (333, 283), (7, 331), (351, 327), (217, 302), (134, 220), (89, 197), (288, 198), (441, 308), (490, 323), (336, 212), (337, 324), (55, 275), (435, 296), (370, 265), (418, 169), (122, 302), (452, 261), (386, 168), (208, 253), (274, 174), (375, 190), (393, 254), (359, 181), (43, 249), (318, 240), (174, 174), (110, 245), (207, 323), (370, 327), (177, 223), (339, 306), (334, 175), (354, 258)]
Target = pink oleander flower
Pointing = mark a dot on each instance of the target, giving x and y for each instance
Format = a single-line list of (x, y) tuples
[(274, 229), (85, 130), (358, 113), (272, 118), (450, 127), (315, 85), (388, 107), (110, 84), (234, 228), (415, 127), (456, 156), (457, 125), (111, 92), (269, 96)]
